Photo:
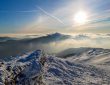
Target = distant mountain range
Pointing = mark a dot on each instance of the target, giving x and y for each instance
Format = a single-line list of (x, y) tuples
[(5, 39), (11, 46), (52, 44)]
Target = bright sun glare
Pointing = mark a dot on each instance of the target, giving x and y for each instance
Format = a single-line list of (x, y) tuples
[(80, 17)]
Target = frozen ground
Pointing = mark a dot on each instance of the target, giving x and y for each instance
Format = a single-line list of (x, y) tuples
[(37, 68)]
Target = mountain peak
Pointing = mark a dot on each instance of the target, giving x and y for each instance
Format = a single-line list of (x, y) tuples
[(55, 34)]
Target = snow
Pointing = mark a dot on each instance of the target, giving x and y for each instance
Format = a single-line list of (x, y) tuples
[(69, 73), (30, 70)]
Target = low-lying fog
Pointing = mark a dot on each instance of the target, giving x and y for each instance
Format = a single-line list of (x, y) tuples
[(52, 43)]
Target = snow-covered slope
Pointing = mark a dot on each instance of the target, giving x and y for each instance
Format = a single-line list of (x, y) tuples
[(36, 68), (87, 55)]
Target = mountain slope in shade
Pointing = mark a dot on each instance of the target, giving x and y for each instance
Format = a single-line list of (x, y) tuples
[(36, 68), (50, 38)]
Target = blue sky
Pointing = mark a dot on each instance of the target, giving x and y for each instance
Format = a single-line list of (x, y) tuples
[(46, 16)]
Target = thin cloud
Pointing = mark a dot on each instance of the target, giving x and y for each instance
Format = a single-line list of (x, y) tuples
[(52, 16)]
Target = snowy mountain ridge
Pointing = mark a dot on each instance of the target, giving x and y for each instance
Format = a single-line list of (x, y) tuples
[(36, 68)]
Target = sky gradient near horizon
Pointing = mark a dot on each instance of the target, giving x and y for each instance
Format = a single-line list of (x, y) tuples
[(46, 16)]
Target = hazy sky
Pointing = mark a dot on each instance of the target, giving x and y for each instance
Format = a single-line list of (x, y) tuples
[(45, 16)]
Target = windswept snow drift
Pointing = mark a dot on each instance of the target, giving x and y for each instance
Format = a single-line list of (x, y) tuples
[(30, 70)]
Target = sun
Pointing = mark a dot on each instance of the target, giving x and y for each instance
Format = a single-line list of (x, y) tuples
[(80, 17)]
